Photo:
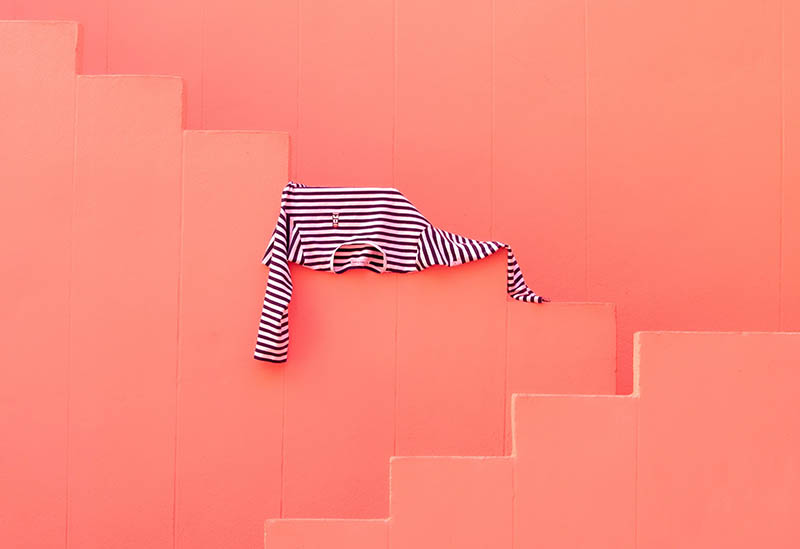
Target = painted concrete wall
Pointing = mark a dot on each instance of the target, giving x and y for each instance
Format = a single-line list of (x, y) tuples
[(632, 152), (132, 411), (705, 454)]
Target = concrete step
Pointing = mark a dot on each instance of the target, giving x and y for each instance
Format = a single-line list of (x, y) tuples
[(124, 311), (565, 348), (718, 447), (347, 415), (451, 502), (703, 450), (326, 534), (227, 175), (575, 471), (37, 102)]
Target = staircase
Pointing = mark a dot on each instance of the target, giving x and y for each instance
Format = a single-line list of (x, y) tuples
[(705, 454), (138, 418)]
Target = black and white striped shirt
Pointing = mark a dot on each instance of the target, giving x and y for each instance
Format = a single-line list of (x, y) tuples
[(339, 228)]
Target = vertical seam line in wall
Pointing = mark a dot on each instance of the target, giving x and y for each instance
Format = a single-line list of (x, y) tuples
[(506, 384), (108, 33), (294, 172), (203, 15), (182, 178), (492, 34), (637, 401), (283, 439), (70, 283), (396, 369), (782, 137), (616, 353), (586, 141), (513, 500), (506, 380), (394, 93), (395, 185)]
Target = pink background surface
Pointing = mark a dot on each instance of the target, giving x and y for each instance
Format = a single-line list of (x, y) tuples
[(136, 412), (631, 153), (625, 161), (700, 456)]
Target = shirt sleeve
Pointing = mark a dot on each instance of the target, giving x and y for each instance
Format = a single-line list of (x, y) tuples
[(517, 288), (272, 341), (439, 247)]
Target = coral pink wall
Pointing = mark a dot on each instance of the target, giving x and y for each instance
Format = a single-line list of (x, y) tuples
[(632, 153), (642, 155), (131, 406), (698, 457)]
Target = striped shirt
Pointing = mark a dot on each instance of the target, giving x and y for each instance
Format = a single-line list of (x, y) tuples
[(335, 229)]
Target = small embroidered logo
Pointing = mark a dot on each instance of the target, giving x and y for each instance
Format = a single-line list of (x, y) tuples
[(335, 220)]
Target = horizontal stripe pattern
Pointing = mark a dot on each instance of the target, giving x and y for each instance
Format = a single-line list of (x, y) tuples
[(336, 229)]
